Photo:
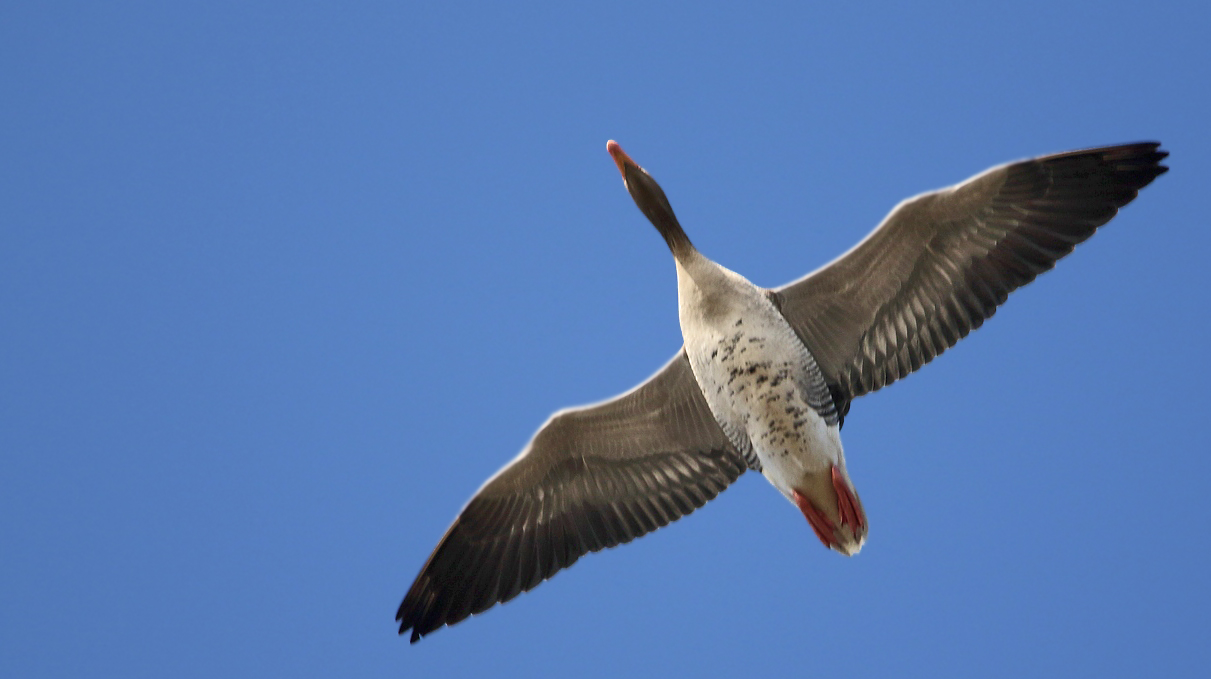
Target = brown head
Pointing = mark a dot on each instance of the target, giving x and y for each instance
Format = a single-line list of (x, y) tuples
[(650, 198)]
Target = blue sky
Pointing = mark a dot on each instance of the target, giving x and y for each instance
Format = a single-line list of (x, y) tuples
[(282, 284)]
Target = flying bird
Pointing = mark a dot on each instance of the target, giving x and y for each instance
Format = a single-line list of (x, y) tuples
[(766, 376)]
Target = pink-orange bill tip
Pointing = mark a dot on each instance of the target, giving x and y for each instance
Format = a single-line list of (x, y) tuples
[(620, 157)]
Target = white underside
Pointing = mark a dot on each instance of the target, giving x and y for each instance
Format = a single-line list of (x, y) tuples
[(752, 369)]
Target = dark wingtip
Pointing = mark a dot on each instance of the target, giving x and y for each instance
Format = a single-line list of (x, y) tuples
[(1139, 163), (410, 616), (1140, 155), (1133, 166), (415, 628)]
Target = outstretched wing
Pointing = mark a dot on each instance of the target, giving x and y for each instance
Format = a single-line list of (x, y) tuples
[(942, 262), (592, 477)]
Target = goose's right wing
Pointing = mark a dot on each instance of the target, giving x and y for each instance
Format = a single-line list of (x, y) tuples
[(592, 477)]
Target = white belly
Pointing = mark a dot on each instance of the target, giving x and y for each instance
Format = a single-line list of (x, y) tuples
[(766, 392), (754, 374)]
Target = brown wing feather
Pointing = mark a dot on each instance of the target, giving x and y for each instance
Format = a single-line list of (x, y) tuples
[(591, 478), (942, 262)]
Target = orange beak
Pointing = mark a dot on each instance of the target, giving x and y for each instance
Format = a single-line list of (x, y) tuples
[(621, 159)]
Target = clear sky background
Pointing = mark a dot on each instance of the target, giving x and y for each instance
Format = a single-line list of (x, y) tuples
[(282, 284)]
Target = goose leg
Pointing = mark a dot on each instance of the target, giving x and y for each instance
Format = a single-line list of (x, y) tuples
[(816, 519)]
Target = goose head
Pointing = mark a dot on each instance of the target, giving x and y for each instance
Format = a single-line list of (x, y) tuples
[(651, 200)]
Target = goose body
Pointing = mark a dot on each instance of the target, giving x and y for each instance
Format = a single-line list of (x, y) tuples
[(764, 389), (766, 377)]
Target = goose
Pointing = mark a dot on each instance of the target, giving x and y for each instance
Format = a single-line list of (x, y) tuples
[(765, 377)]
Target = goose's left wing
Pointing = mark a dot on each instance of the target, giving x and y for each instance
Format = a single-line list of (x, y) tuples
[(942, 262)]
